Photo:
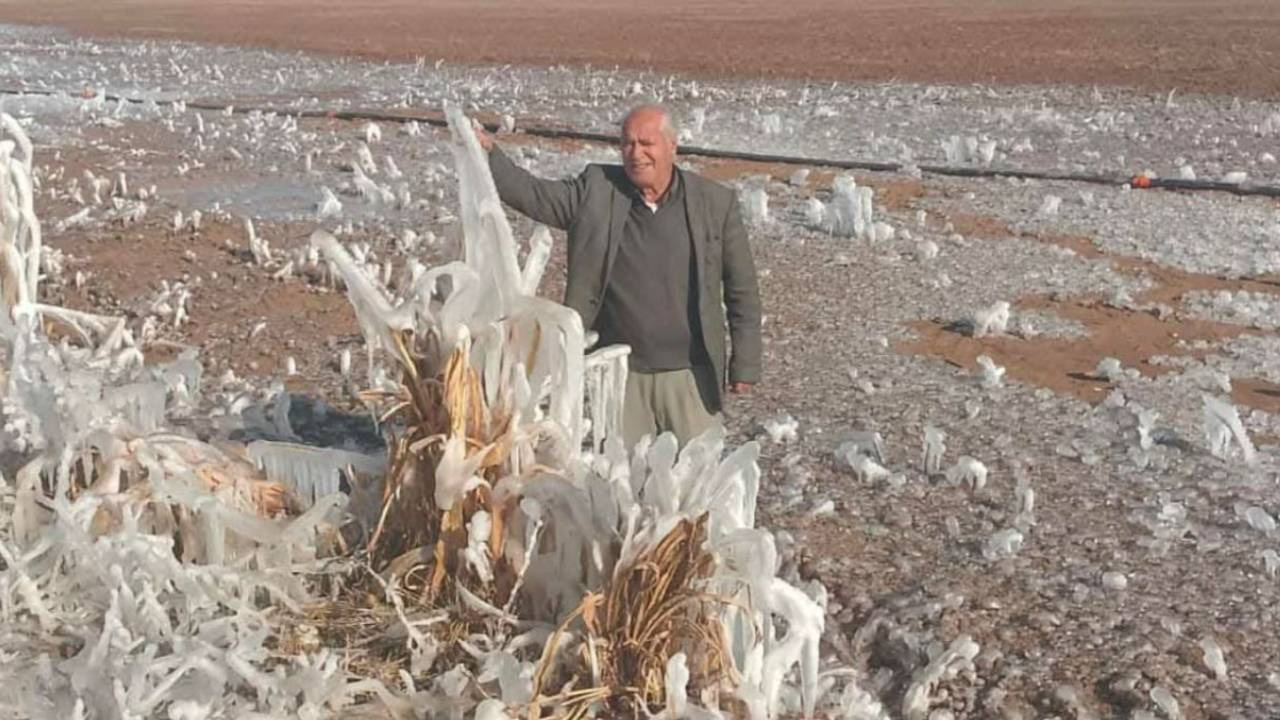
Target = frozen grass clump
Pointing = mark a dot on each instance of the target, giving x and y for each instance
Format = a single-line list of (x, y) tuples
[(143, 571)]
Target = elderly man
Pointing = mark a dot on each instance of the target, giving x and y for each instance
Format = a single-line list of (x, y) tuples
[(658, 258)]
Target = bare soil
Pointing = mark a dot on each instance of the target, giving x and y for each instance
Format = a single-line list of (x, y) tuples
[(1221, 46), (1133, 336)]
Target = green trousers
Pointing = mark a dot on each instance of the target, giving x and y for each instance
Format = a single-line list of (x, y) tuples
[(669, 401)]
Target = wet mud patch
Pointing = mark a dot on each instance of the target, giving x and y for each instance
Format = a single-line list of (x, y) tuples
[(230, 297), (1153, 325), (1068, 365)]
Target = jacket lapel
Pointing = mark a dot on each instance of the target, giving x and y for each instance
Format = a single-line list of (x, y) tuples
[(696, 215), (618, 211)]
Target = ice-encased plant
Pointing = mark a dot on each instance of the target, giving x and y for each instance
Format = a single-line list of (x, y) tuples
[(1222, 426), (849, 213), (142, 572), (493, 506)]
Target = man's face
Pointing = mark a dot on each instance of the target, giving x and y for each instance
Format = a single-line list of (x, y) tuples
[(647, 153)]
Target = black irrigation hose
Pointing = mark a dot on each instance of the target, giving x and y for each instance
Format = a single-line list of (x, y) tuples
[(1241, 189)]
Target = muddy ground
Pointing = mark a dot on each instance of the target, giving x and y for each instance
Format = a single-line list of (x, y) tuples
[(1229, 46)]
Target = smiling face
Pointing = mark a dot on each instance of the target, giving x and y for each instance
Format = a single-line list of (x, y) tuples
[(648, 150)]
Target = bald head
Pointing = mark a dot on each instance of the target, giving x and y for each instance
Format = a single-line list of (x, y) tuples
[(648, 145)]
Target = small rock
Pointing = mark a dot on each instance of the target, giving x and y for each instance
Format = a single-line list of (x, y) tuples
[(1114, 581)]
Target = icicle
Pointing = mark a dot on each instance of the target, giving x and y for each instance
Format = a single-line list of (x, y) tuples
[(477, 552), (142, 404), (312, 472), (536, 261), (677, 681), (934, 448)]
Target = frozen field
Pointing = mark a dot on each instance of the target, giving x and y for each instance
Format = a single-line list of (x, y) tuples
[(1086, 523)]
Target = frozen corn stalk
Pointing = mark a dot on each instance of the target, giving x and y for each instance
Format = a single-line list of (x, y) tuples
[(918, 699), (489, 461), (1222, 425), (935, 446)]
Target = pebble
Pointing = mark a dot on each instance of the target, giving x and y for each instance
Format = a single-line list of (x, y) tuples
[(1114, 581)]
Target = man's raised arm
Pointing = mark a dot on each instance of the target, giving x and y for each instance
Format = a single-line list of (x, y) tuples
[(550, 202)]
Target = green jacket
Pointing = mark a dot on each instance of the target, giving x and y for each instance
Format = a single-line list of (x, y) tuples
[(593, 207)]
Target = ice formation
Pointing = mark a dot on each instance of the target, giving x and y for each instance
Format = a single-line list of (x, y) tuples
[(990, 320), (1049, 206), (1113, 580), (1222, 425), (992, 375), (1003, 544), (849, 213), (782, 429), (968, 471), (1213, 657), (1167, 703), (960, 150), (1259, 519), (1110, 369), (935, 446), (755, 205)]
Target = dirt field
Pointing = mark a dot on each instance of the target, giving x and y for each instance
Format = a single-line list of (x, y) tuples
[(1226, 46)]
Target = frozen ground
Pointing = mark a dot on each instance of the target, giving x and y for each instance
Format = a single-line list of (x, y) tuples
[(1136, 542)]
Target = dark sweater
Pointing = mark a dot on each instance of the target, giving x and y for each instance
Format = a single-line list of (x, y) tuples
[(647, 303)]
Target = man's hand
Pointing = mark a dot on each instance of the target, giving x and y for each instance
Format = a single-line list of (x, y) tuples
[(740, 388), (486, 140)]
